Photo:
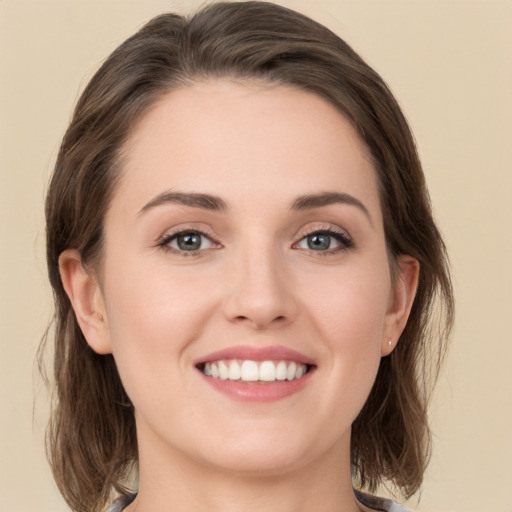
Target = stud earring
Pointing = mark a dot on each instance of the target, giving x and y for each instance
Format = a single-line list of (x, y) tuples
[(390, 343)]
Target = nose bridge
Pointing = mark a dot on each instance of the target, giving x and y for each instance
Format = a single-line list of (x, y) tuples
[(260, 293)]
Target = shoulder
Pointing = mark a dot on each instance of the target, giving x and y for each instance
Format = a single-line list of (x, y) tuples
[(372, 502), (381, 504)]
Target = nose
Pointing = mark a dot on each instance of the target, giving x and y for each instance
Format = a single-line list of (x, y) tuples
[(260, 291)]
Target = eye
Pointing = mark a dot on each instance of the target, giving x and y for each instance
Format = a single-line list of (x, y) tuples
[(325, 241), (188, 241), (318, 241)]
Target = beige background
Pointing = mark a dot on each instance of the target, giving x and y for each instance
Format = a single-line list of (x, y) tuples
[(448, 62)]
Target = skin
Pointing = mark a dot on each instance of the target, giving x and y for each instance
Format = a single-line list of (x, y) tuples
[(255, 281)]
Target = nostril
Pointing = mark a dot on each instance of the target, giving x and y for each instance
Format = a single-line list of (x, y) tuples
[(261, 323)]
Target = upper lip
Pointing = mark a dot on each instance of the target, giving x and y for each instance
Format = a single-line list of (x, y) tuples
[(252, 353)]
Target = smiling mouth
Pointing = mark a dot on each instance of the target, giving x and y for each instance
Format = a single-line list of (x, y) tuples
[(254, 371)]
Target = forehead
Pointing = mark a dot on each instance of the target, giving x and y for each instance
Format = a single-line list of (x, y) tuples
[(253, 141)]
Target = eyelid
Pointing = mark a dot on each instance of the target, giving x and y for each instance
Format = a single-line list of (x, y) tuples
[(171, 234), (344, 239), (341, 235), (322, 227)]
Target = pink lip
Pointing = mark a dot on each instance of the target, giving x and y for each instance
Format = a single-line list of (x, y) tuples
[(258, 391), (272, 353)]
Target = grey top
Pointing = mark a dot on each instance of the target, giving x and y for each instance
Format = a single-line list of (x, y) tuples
[(376, 503), (373, 502), (120, 503)]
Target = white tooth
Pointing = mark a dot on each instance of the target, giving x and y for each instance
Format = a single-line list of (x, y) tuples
[(281, 371), (301, 370), (223, 370), (207, 369), (292, 369), (215, 371), (249, 371), (267, 371), (234, 371)]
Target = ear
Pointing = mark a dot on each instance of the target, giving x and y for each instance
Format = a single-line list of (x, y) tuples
[(86, 297), (401, 300)]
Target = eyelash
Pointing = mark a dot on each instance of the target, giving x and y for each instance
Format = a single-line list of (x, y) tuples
[(168, 238), (341, 237)]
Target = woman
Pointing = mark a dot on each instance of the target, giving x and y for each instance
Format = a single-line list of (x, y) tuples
[(245, 264)]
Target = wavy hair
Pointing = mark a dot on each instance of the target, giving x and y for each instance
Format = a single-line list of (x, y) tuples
[(91, 439)]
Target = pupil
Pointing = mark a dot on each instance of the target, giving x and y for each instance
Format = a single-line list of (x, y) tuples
[(319, 242), (189, 242)]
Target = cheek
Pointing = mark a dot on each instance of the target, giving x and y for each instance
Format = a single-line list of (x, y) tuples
[(153, 317), (349, 311), (152, 321), (349, 306), (144, 298)]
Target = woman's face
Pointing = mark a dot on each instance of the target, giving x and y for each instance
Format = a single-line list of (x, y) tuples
[(244, 246)]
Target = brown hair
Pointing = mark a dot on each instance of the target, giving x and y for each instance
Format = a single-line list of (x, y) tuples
[(92, 442)]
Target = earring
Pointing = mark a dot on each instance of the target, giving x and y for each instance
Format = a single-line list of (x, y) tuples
[(390, 343)]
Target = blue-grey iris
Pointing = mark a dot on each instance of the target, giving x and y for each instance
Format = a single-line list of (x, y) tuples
[(319, 242), (189, 242)]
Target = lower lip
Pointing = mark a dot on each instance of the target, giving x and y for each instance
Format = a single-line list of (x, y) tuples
[(258, 391)]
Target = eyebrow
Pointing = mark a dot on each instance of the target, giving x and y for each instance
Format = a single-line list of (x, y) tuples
[(325, 199), (204, 201), (215, 203)]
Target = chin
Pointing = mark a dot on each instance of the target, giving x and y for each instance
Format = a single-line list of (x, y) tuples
[(265, 453), (261, 463)]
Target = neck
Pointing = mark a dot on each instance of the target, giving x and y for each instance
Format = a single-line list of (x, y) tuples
[(172, 482)]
